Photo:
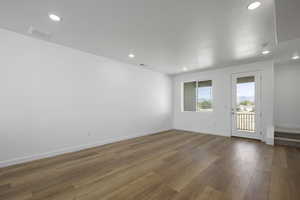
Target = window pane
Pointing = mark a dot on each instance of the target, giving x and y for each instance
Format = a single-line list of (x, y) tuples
[(204, 99), (189, 95), (245, 94)]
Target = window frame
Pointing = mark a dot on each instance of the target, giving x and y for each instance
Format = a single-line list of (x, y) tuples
[(196, 96)]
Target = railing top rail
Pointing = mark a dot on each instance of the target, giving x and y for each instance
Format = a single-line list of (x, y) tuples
[(246, 113)]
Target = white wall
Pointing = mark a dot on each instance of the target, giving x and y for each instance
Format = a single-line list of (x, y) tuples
[(219, 121), (55, 99), (287, 95)]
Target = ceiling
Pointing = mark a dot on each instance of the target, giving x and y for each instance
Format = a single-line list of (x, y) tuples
[(288, 19), (164, 35)]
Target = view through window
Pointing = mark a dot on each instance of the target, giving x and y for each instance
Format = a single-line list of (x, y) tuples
[(204, 95), (197, 96), (246, 103)]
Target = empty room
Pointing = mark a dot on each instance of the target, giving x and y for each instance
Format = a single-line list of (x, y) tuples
[(149, 100)]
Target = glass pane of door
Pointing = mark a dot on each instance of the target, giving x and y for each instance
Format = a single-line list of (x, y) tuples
[(245, 106)]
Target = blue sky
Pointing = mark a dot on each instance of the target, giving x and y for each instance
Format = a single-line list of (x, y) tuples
[(246, 89), (204, 93)]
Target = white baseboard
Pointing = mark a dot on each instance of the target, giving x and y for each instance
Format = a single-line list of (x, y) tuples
[(270, 141), (269, 136), (25, 159)]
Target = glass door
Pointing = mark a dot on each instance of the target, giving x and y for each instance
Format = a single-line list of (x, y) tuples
[(246, 105)]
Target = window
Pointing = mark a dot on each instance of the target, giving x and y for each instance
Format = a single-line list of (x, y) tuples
[(197, 96), (204, 95)]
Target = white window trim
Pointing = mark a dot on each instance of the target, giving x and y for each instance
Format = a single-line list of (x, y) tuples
[(196, 96)]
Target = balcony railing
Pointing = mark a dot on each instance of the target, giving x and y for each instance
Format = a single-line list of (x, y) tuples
[(246, 121)]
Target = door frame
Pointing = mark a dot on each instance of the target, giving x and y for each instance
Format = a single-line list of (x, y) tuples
[(258, 114)]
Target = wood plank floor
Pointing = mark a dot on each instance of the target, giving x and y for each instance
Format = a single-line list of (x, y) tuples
[(171, 165)]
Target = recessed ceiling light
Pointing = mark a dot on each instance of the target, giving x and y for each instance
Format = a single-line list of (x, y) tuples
[(296, 57), (131, 55), (184, 69), (266, 52), (54, 17), (254, 5)]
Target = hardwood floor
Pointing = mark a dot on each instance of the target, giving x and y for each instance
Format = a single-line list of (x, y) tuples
[(172, 165)]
